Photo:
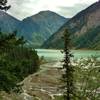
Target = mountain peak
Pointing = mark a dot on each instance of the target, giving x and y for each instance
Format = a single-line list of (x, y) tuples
[(46, 11), (36, 29), (39, 27), (84, 28), (47, 14), (8, 22), (5, 14)]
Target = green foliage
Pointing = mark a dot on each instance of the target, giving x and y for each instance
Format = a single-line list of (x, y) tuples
[(16, 61), (58, 98), (7, 80), (67, 77), (87, 79), (81, 81)]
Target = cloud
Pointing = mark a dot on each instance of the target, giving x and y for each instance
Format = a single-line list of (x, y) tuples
[(67, 8), (71, 11)]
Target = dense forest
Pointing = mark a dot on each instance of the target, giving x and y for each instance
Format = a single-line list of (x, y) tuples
[(16, 61)]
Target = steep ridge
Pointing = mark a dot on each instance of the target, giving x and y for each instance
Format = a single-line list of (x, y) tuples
[(40, 27), (84, 29), (35, 29), (8, 23)]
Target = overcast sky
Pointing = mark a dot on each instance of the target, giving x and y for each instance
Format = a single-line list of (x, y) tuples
[(67, 8)]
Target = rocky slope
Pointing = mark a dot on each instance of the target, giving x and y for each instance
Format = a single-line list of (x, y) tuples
[(84, 29), (35, 29), (8, 24), (41, 26)]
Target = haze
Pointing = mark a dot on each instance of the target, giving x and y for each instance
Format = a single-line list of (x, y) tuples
[(67, 8)]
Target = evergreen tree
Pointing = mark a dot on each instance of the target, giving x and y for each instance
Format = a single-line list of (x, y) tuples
[(68, 69), (3, 5), (16, 61)]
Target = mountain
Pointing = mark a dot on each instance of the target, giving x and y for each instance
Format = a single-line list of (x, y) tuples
[(35, 29), (8, 24), (84, 28), (40, 27)]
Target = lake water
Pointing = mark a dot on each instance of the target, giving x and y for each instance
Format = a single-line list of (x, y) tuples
[(56, 55)]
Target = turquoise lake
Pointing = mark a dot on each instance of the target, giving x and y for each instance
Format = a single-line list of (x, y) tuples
[(56, 55)]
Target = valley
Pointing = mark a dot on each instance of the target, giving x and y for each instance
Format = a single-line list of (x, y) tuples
[(47, 55), (45, 84), (45, 29)]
